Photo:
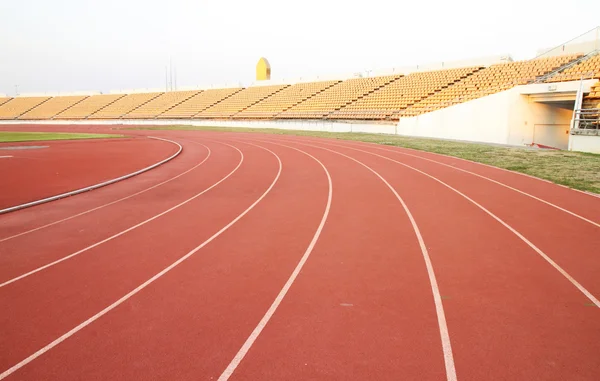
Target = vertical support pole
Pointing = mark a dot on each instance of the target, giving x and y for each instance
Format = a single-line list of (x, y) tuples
[(576, 111)]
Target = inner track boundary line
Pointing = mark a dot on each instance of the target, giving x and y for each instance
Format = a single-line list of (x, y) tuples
[(139, 288), (96, 186)]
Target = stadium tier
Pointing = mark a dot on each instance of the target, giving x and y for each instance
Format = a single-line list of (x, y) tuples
[(198, 103), (401, 93), (592, 100), (19, 106), (240, 101), (88, 106), (336, 97), (585, 69), (283, 100), (160, 104), (3, 100), (123, 105), (380, 98), (52, 107), (488, 81)]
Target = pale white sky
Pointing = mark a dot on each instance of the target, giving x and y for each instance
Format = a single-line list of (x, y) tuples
[(80, 45)]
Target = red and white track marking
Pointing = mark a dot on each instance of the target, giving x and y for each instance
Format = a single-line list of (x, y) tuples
[(67, 257), (112, 202), (95, 186), (575, 283), (265, 319), (260, 326), (439, 307), (488, 179), (142, 286)]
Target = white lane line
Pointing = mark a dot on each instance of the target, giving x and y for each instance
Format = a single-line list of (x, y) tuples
[(5, 157), (97, 316), (265, 319), (583, 290), (399, 149), (486, 178), (96, 186), (439, 306), (126, 230), (112, 202)]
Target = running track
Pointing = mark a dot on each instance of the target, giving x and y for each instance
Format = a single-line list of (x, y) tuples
[(264, 257)]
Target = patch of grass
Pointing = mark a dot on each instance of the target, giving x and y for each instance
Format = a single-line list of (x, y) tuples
[(8, 136), (577, 170)]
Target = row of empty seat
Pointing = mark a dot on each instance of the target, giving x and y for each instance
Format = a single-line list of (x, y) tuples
[(199, 103), (3, 100), (124, 105), (592, 100), (16, 107), (382, 98), (160, 104), (336, 97), (585, 69), (401, 93), (239, 101), (491, 80), (284, 99), (52, 107), (88, 106)]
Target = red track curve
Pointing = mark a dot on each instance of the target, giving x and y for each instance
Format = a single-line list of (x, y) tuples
[(61, 169), (360, 307)]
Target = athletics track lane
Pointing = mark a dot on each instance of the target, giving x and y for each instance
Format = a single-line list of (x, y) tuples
[(510, 314)]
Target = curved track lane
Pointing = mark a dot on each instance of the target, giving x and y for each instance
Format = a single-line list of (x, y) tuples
[(305, 263)]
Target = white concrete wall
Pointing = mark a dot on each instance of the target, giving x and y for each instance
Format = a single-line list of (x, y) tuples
[(551, 124), (306, 125), (508, 117), (483, 120), (585, 143)]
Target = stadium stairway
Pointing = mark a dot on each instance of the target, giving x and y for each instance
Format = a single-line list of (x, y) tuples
[(585, 67)]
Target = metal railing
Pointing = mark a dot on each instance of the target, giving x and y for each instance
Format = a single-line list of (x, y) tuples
[(584, 43), (569, 65), (586, 121)]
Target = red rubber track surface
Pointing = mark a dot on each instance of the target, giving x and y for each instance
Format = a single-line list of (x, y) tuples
[(362, 305), (63, 166)]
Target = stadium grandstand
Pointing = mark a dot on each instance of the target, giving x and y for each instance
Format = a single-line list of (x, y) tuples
[(284, 100), (52, 107), (15, 107), (488, 81), (88, 106), (412, 101), (124, 105), (161, 104), (199, 103), (239, 101)]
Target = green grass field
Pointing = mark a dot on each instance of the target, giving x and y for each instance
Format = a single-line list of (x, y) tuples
[(574, 169), (8, 136)]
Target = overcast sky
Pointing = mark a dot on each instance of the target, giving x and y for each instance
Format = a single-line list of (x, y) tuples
[(80, 45)]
